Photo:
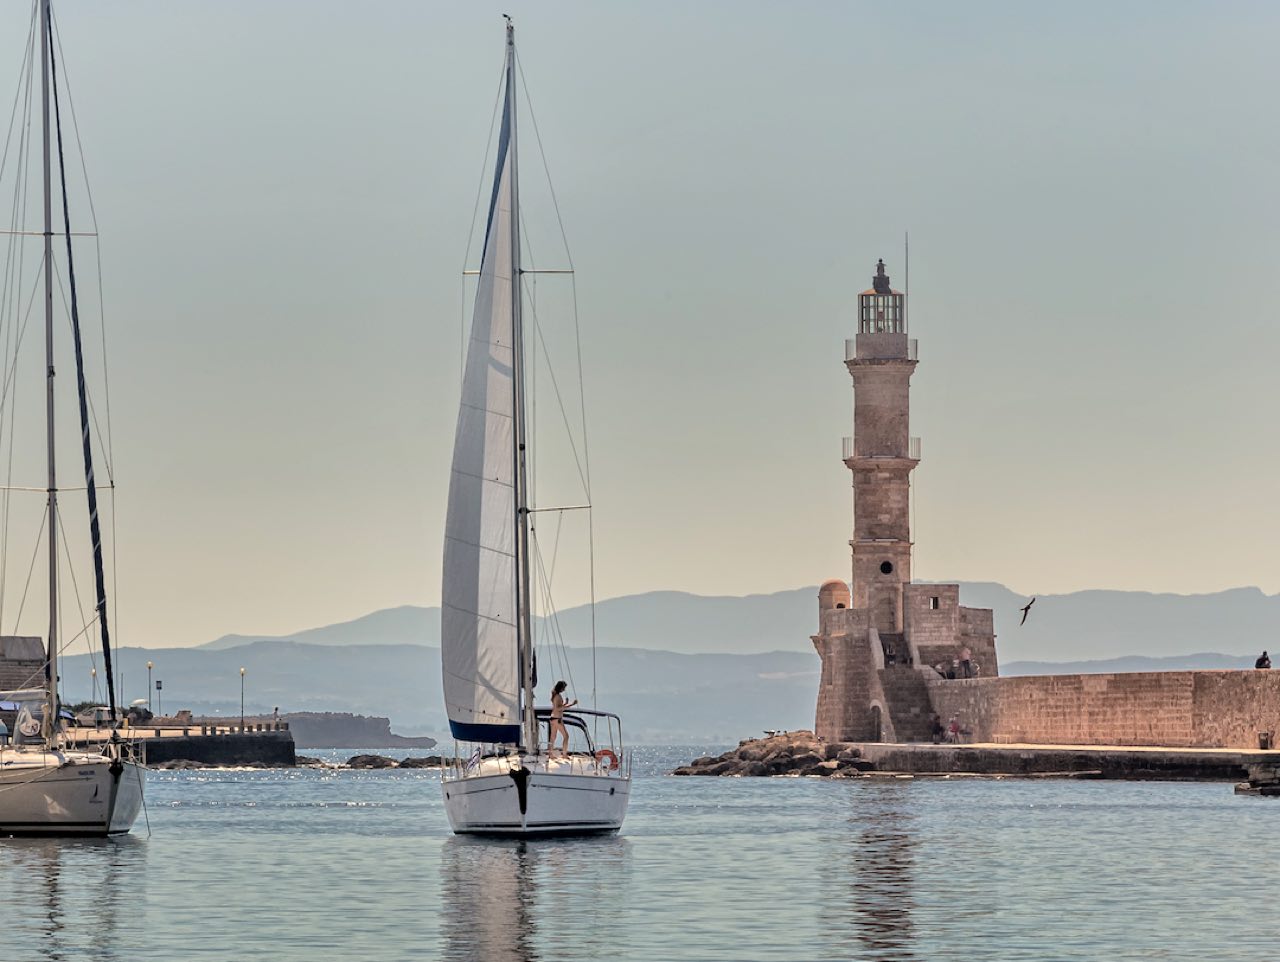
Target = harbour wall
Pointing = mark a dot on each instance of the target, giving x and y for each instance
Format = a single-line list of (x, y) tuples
[(1176, 709), (273, 748)]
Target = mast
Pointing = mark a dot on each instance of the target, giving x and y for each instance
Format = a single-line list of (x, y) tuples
[(50, 672), (524, 623)]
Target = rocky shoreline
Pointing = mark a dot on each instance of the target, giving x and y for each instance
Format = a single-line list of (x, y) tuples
[(362, 762), (801, 753), (790, 753)]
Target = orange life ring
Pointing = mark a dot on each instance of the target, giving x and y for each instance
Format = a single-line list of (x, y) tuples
[(606, 753)]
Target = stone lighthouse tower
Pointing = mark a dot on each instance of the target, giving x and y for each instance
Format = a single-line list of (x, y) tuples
[(882, 454), (885, 641)]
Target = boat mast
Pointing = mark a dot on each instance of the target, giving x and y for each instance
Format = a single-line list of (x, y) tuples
[(51, 656), (524, 632)]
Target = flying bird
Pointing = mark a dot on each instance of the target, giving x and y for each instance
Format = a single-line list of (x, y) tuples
[(1026, 611)]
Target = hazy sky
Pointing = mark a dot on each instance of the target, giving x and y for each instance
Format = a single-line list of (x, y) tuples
[(285, 192)]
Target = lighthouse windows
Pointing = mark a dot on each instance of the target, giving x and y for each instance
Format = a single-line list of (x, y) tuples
[(886, 567), (881, 314)]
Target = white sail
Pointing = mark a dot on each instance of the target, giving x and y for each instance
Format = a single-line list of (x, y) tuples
[(479, 628)]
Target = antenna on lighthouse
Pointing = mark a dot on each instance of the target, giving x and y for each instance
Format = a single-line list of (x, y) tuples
[(906, 282)]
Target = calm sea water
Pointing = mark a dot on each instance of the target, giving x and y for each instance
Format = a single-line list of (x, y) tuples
[(318, 865)]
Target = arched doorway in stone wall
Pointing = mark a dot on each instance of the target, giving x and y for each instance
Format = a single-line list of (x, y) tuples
[(877, 724)]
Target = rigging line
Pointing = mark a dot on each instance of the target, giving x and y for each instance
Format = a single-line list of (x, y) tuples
[(75, 586), (556, 633), (93, 408), (24, 71), (13, 296), (12, 369), (475, 211), (546, 169), (15, 255), (38, 674), (22, 159), (586, 467), (45, 490), (17, 622), (40, 233), (551, 622), (108, 447), (586, 471), (564, 414), (11, 380), (95, 532)]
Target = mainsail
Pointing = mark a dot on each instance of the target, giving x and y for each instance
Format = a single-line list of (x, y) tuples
[(480, 617)]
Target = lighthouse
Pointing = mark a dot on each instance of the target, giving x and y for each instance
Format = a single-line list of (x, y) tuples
[(881, 454), (884, 640)]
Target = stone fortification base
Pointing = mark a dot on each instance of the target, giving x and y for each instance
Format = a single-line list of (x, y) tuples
[(801, 753)]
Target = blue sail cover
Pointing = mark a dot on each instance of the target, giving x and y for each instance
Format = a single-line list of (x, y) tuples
[(479, 636)]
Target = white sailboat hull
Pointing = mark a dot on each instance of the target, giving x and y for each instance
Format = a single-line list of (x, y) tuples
[(67, 793), (556, 802)]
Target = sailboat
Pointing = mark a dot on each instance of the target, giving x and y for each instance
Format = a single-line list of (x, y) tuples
[(48, 787), (513, 783)]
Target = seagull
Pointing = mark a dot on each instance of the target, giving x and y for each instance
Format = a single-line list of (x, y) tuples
[(1026, 611)]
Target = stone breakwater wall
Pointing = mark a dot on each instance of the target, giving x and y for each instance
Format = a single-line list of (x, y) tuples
[(795, 753), (271, 749), (1166, 764), (1176, 709), (800, 753)]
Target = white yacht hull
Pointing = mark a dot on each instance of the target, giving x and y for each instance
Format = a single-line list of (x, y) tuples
[(558, 800), (67, 793)]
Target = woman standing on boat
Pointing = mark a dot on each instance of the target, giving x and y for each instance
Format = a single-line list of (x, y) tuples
[(558, 705)]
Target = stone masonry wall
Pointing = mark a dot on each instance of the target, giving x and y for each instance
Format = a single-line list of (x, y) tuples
[(844, 691), (977, 630), (1181, 709), (932, 632)]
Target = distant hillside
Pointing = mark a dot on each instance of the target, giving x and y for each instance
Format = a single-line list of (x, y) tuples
[(1084, 625), (683, 667), (1201, 662), (663, 697), (406, 625)]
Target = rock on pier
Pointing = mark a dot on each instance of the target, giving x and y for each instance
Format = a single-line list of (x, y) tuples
[(792, 753)]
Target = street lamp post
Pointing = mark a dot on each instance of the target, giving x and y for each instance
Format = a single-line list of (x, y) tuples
[(149, 666), (241, 701), (159, 700)]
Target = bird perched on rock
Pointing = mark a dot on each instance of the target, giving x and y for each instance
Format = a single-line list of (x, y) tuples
[(1026, 611)]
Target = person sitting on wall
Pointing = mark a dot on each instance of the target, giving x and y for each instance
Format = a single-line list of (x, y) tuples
[(942, 672), (954, 671), (953, 729), (1264, 660)]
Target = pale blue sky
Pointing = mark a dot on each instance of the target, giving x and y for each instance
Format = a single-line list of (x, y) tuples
[(285, 192)]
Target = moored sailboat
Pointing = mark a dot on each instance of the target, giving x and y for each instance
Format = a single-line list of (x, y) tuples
[(48, 787), (514, 783)]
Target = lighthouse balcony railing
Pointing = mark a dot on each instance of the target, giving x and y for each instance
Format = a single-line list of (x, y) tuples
[(851, 350), (849, 449)]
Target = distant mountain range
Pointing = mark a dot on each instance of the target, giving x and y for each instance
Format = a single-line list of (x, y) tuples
[(680, 667), (1083, 625), (662, 696)]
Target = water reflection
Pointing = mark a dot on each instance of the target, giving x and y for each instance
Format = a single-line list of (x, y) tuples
[(872, 869), (514, 901), (63, 897)]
